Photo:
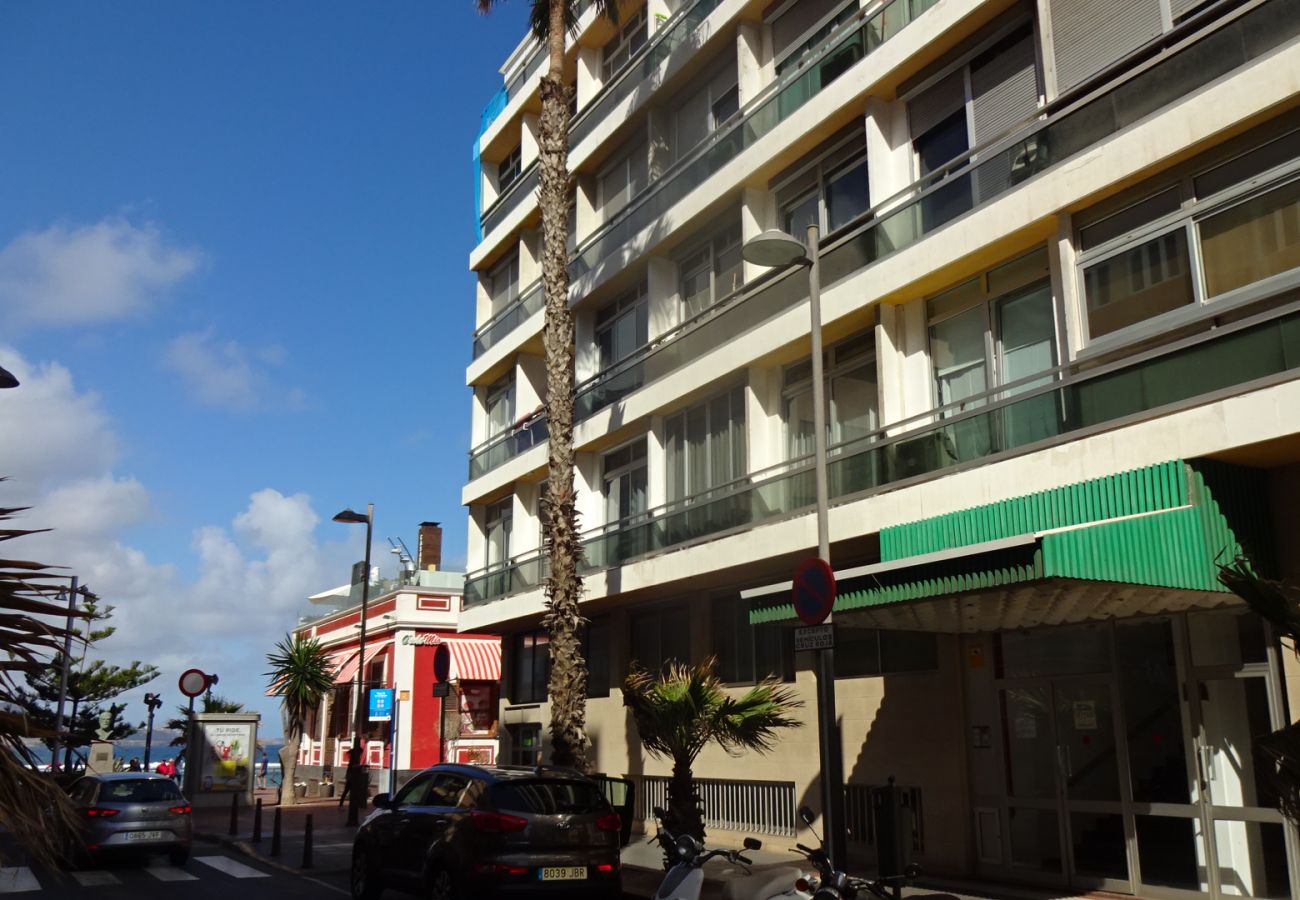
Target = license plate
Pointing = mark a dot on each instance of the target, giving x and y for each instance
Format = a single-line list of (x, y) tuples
[(562, 873), (144, 835)]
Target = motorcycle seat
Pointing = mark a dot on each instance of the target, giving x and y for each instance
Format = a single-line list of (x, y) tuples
[(764, 883)]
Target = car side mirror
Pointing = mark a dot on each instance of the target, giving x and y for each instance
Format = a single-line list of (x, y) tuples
[(381, 801), (806, 815), (752, 843)]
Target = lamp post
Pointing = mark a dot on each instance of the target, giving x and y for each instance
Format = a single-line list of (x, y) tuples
[(775, 248), (7, 379), (356, 790)]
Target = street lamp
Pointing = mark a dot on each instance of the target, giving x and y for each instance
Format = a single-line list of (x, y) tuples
[(7, 379), (775, 248), (357, 791)]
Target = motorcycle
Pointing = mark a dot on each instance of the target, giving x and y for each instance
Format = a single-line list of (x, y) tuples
[(685, 858)]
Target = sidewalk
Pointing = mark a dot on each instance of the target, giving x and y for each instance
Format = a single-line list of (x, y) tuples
[(331, 836)]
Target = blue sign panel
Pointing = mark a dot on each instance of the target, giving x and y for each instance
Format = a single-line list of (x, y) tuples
[(381, 704)]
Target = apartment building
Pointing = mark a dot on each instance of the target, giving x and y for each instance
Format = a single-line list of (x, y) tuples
[(1061, 301)]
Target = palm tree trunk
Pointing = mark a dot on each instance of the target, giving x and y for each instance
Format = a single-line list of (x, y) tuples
[(568, 684), (289, 768), (684, 813)]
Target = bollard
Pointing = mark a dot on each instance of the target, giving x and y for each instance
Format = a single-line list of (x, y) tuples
[(257, 821), (234, 814), (275, 833), (306, 844)]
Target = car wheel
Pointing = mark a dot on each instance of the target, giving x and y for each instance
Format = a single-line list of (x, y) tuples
[(178, 856), (442, 886), (364, 879)]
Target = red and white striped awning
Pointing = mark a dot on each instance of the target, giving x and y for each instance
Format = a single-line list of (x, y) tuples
[(475, 659), (347, 662)]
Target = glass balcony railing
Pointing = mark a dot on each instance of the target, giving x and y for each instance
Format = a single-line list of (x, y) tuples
[(677, 32), (1012, 419), (523, 188), (974, 180), (510, 318), (854, 39), (506, 446)]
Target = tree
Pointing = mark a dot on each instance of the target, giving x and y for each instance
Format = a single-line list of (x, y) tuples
[(681, 711), (33, 809), (1279, 605), (208, 703), (301, 674), (91, 685), (550, 21)]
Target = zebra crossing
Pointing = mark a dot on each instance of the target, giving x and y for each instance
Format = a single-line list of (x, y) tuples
[(24, 880)]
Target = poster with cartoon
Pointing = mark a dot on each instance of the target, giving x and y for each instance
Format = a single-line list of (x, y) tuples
[(226, 761)]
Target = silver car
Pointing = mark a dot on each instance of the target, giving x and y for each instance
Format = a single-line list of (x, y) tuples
[(132, 811)]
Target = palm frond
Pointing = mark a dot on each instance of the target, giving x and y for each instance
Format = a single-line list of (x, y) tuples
[(301, 673), (1277, 603), (539, 14)]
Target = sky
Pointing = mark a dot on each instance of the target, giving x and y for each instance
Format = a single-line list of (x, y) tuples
[(234, 286)]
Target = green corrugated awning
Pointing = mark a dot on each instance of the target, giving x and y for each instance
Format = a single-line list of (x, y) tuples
[(1126, 530)]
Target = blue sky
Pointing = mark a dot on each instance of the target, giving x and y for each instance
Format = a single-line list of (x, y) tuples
[(233, 244)]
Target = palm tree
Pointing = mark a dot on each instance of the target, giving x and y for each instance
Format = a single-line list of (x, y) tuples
[(301, 674), (682, 711), (1279, 605), (33, 809), (551, 20)]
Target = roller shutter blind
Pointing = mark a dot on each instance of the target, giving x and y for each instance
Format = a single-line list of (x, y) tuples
[(1088, 35), (1004, 92), (936, 103), (1180, 8), (795, 22)]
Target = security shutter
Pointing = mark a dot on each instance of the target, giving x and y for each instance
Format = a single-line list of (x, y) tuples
[(936, 103), (796, 20), (1004, 93), (1088, 35), (1180, 8)]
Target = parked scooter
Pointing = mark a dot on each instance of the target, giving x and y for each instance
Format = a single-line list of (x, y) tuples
[(686, 857)]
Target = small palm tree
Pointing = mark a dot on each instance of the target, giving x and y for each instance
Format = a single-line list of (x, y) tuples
[(685, 709), (1279, 605), (301, 674), (551, 20)]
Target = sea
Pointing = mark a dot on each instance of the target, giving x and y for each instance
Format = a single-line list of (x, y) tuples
[(124, 750)]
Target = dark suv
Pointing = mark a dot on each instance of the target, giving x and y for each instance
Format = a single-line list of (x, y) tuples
[(457, 832)]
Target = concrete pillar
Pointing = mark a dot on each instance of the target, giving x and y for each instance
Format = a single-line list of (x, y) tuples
[(588, 84), (764, 431), (587, 358), (586, 481), (587, 212), (1046, 48), (750, 60), (1066, 289), (903, 362), (659, 140), (659, 12), (482, 300), (889, 148), (529, 127), (487, 177), (530, 383), (530, 257), (478, 416), (476, 543), (757, 213), (403, 656), (527, 535), (889, 363), (661, 290), (656, 457)]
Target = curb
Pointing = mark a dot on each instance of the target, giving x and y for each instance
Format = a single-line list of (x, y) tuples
[(244, 848)]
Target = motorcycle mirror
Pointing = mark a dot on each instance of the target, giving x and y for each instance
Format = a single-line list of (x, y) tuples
[(912, 872), (753, 844), (806, 815)]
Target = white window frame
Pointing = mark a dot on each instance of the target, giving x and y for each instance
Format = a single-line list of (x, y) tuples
[(635, 26), (835, 364)]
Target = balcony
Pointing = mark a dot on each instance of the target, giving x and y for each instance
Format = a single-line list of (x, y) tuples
[(503, 447), (521, 189), (510, 318), (1012, 420)]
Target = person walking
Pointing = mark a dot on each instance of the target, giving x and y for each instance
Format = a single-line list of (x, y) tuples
[(261, 774), (134, 765)]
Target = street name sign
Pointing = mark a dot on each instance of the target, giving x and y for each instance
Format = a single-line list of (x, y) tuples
[(814, 591), (381, 704), (815, 637)]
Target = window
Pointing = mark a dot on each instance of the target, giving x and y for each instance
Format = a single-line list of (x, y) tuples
[(800, 27), (499, 521), (829, 189), (749, 653), (503, 282), (415, 792), (619, 50), (508, 169), (701, 113), (595, 650), (661, 636), (448, 790), (706, 445), (624, 481), (624, 178), (711, 272), (525, 744), (532, 667), (478, 707), (996, 329), (1237, 221), (868, 651), (141, 790), (941, 144), (623, 326), (852, 400), (500, 404)]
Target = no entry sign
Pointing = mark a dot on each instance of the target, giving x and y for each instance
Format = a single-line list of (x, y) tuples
[(814, 590)]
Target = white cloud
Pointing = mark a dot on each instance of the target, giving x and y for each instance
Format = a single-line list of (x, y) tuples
[(226, 375), (88, 274)]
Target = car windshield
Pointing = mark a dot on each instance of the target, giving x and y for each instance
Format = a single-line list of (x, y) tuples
[(139, 790), (548, 797)]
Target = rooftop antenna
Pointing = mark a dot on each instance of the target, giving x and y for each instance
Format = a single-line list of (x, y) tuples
[(403, 554)]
